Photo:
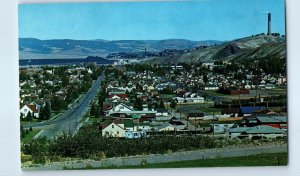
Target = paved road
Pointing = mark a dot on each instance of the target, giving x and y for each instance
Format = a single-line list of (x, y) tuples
[(69, 121)]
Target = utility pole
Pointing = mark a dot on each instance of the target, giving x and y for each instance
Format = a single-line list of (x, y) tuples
[(240, 100), (213, 123)]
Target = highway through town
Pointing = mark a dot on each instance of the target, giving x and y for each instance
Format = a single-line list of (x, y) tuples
[(69, 121)]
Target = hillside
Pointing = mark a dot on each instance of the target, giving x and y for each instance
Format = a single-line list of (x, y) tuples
[(31, 48), (249, 47)]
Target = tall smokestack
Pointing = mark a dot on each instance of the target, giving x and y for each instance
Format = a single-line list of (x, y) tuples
[(269, 24)]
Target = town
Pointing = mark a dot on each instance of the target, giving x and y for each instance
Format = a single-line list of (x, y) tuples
[(140, 100)]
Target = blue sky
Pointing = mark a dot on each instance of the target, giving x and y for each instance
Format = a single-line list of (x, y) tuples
[(193, 20)]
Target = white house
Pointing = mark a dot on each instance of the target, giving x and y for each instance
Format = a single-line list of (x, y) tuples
[(113, 130), (211, 87), (221, 128), (189, 100), (124, 109), (32, 108), (120, 108), (166, 127)]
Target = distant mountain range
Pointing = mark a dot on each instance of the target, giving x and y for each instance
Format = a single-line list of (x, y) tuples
[(89, 59), (259, 46), (31, 48)]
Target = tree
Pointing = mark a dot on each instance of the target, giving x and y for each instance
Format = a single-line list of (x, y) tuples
[(205, 79), (29, 116), (58, 104), (173, 104), (64, 80), (138, 104), (161, 104), (21, 116), (47, 110), (94, 111), (22, 131)]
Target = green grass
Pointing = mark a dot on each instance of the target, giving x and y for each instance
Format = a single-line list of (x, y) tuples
[(29, 136), (215, 93), (253, 160), (32, 121), (212, 110)]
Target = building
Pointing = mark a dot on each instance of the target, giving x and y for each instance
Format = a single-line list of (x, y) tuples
[(249, 110), (126, 110), (165, 127), (113, 130), (34, 110), (256, 132), (233, 112), (221, 128)]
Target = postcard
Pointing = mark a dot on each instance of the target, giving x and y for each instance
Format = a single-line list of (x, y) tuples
[(167, 84)]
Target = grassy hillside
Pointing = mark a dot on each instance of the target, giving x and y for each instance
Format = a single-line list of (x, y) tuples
[(249, 47)]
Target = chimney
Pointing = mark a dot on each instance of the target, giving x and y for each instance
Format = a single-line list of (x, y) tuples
[(269, 24)]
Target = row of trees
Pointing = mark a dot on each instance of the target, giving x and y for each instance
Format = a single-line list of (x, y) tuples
[(88, 143)]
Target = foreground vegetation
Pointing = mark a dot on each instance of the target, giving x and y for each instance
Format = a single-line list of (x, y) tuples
[(88, 144), (272, 159)]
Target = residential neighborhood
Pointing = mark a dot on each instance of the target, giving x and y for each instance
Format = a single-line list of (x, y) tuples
[(176, 100)]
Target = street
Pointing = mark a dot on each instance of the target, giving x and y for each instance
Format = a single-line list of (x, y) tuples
[(69, 121)]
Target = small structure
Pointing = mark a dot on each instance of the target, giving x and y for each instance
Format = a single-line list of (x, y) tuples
[(221, 128), (135, 134), (249, 110), (256, 132), (166, 127), (233, 112)]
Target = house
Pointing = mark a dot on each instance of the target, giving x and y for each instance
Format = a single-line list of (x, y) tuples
[(177, 123), (120, 108), (189, 100), (34, 110), (281, 80), (176, 67), (180, 92), (249, 110), (236, 132), (165, 127), (118, 96), (113, 130), (221, 128), (233, 112), (179, 99), (61, 94), (141, 126), (211, 87), (256, 132), (147, 117), (162, 112), (195, 100), (265, 112), (273, 121), (163, 118), (195, 115), (114, 91), (150, 88), (143, 97), (124, 109)]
